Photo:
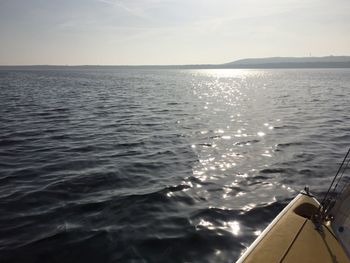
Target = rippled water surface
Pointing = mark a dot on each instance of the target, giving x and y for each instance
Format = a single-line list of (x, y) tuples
[(117, 165)]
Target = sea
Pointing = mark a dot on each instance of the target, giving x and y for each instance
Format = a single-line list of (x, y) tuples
[(160, 165)]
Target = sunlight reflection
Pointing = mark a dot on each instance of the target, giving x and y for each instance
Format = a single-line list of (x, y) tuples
[(234, 227), (206, 224), (267, 154), (257, 232), (248, 207), (231, 226), (261, 134), (230, 73), (245, 175), (227, 191)]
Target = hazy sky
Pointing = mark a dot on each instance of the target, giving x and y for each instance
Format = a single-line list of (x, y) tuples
[(169, 31)]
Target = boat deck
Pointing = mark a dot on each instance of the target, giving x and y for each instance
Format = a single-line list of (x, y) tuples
[(292, 237)]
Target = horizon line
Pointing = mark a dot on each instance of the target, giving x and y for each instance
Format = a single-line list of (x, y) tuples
[(170, 65)]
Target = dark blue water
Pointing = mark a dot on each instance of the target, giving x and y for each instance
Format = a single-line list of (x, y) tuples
[(116, 165)]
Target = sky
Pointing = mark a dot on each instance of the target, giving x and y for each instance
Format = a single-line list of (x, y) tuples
[(164, 32)]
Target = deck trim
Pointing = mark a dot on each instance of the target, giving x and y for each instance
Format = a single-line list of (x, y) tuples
[(268, 229)]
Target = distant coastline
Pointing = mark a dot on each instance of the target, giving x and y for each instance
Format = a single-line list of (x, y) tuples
[(249, 63)]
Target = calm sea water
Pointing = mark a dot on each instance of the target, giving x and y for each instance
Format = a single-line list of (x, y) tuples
[(116, 165)]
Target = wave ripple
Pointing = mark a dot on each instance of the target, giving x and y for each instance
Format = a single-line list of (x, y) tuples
[(116, 165)]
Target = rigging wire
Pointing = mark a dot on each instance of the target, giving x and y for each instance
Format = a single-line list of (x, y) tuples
[(345, 184), (340, 171)]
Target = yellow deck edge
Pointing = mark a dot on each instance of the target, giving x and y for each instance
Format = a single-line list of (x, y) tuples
[(267, 229), (293, 237)]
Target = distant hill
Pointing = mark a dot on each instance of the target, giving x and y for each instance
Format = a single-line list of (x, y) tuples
[(272, 62), (291, 62)]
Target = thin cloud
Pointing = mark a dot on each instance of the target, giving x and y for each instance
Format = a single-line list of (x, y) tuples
[(132, 9)]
